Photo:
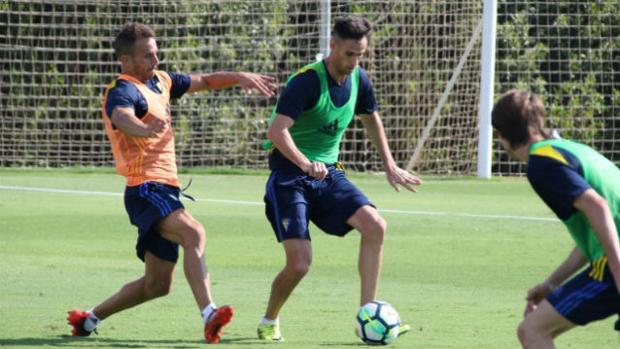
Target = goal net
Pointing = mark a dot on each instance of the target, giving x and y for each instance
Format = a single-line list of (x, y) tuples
[(424, 61), (568, 52), (56, 58)]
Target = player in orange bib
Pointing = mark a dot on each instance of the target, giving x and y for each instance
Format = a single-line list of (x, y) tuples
[(136, 112)]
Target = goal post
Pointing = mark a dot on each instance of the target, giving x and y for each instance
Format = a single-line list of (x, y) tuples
[(487, 79), (325, 29)]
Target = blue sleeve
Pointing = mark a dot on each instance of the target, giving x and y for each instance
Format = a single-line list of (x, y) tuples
[(558, 184), (366, 102), (122, 95), (180, 84), (301, 93)]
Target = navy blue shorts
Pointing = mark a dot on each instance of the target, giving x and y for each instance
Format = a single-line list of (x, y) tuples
[(293, 198), (146, 204), (584, 299)]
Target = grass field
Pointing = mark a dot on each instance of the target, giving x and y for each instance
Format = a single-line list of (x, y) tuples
[(459, 257)]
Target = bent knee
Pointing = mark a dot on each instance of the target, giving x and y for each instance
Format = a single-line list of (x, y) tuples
[(381, 225), (300, 268), (528, 334), (522, 332), (375, 229), (159, 288), (194, 237)]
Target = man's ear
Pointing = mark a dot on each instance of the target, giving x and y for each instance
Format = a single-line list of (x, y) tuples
[(332, 43), (125, 59)]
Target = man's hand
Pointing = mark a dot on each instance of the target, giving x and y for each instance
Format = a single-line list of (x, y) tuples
[(317, 170), (397, 176), (265, 85), (535, 295), (156, 126)]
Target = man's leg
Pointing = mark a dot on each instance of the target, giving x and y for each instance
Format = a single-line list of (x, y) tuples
[(180, 227), (541, 326), (156, 282), (298, 260), (372, 228)]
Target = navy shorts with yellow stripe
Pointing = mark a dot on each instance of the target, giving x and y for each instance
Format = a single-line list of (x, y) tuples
[(293, 199), (146, 204), (588, 297)]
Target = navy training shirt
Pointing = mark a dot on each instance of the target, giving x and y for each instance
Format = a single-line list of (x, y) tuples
[(125, 94), (558, 184), (303, 91)]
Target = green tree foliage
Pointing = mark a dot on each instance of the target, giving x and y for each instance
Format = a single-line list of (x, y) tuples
[(568, 52), (56, 60)]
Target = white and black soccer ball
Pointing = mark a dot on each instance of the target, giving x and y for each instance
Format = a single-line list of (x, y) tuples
[(378, 323)]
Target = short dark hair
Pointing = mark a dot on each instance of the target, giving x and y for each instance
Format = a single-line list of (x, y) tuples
[(517, 113), (352, 27), (132, 32)]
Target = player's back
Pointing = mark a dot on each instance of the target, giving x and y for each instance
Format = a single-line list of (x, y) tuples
[(598, 172), (602, 174)]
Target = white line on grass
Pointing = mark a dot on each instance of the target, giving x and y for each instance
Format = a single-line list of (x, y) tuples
[(256, 203)]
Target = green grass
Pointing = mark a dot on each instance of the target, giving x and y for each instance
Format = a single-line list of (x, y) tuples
[(458, 280)]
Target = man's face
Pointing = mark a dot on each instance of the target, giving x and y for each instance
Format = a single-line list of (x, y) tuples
[(347, 53), (143, 61)]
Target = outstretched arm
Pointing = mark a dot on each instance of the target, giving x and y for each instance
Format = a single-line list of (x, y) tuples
[(395, 175), (265, 85), (596, 209)]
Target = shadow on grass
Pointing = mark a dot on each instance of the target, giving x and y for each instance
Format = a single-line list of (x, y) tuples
[(344, 344), (76, 342)]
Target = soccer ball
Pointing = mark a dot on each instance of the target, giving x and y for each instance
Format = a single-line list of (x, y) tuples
[(378, 323)]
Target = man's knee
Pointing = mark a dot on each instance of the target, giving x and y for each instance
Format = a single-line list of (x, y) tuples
[(299, 270), (298, 267), (374, 229), (157, 288), (298, 257), (185, 230), (193, 236), (528, 334)]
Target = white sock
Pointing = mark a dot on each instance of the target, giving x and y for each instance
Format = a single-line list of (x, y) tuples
[(266, 321), (91, 323), (207, 311)]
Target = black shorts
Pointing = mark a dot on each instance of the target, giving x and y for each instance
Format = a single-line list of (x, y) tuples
[(146, 204), (587, 297), (293, 198)]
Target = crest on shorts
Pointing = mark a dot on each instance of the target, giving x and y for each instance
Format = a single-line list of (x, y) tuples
[(285, 222)]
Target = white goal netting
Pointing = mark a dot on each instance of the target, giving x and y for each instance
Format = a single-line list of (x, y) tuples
[(56, 58), (569, 53), (424, 61)]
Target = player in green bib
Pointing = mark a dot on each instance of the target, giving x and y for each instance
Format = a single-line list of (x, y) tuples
[(318, 132), (307, 183), (582, 188)]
